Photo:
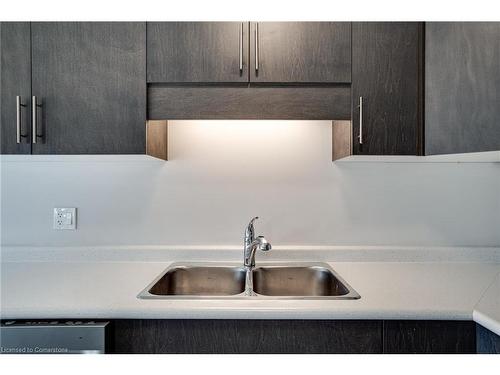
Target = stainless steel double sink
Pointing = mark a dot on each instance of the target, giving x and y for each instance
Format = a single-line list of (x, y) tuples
[(227, 281)]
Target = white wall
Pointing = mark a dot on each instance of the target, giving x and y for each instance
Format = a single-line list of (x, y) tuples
[(222, 173)]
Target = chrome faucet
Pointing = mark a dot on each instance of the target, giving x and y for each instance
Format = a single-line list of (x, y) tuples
[(250, 246)]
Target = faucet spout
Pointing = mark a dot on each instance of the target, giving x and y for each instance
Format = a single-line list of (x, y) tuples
[(259, 243)]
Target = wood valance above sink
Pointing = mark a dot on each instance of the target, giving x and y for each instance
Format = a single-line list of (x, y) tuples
[(249, 103)]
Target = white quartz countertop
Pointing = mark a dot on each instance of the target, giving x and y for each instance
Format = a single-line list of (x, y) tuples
[(487, 310), (46, 287)]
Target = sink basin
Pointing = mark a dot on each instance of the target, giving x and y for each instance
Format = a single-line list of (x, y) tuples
[(200, 281), (270, 281), (297, 281)]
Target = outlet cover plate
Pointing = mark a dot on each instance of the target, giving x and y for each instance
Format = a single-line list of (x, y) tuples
[(65, 218)]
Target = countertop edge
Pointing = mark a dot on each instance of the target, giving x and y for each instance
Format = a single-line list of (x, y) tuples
[(242, 314), (486, 321), (487, 309)]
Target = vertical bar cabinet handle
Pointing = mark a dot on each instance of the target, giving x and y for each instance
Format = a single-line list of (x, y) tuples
[(33, 119), (241, 47), (360, 136), (18, 119), (256, 46)]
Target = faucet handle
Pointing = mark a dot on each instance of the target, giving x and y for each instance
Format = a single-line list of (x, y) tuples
[(250, 224), (250, 232)]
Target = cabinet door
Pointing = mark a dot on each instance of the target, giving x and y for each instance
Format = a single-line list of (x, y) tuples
[(197, 52), (386, 74), (89, 80), (247, 336), (429, 337), (15, 70), (487, 342), (300, 52), (462, 87)]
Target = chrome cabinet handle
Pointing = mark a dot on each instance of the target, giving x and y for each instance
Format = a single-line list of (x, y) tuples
[(241, 48), (19, 134), (360, 136), (256, 46), (33, 119), (34, 107)]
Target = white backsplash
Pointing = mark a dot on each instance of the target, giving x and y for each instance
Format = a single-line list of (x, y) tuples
[(222, 173)]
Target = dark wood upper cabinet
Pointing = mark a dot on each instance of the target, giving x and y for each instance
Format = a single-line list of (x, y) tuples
[(300, 52), (462, 87), (89, 80), (218, 52), (15, 70), (183, 56), (386, 74), (197, 52)]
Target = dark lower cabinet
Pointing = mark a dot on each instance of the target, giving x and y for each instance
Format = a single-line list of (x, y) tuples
[(429, 337), (487, 341), (297, 336), (248, 336)]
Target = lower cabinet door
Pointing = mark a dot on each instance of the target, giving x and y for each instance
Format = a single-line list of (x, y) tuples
[(248, 336), (295, 336), (487, 342), (429, 337)]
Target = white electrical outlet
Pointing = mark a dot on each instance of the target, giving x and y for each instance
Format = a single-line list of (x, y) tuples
[(65, 218)]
